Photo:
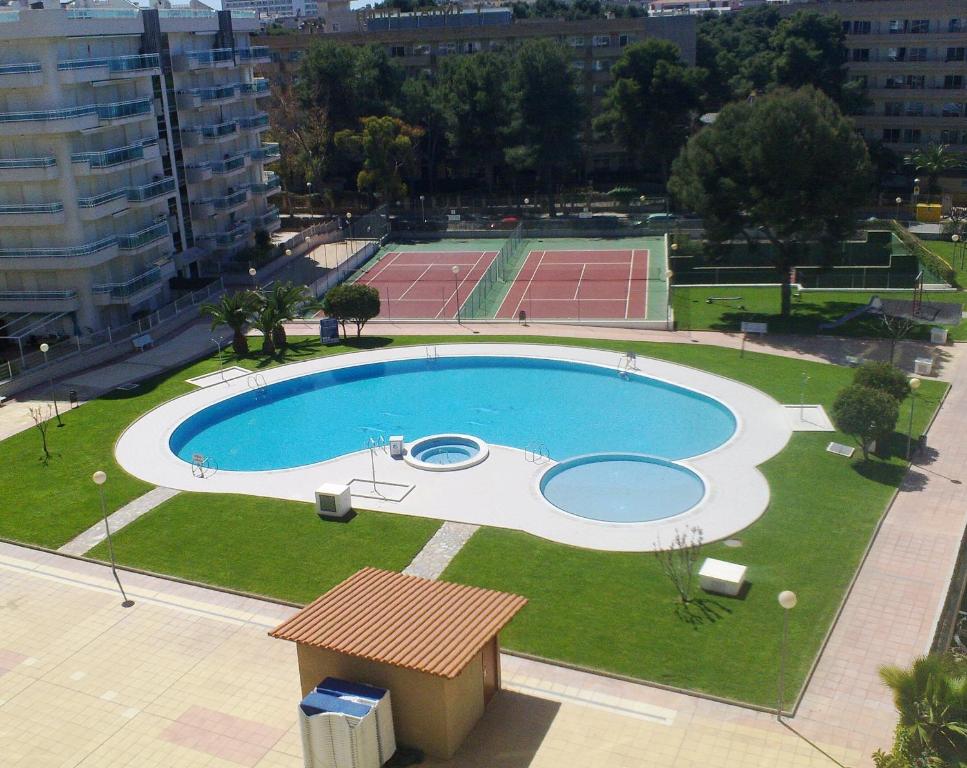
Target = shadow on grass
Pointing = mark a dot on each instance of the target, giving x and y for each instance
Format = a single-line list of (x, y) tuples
[(701, 611)]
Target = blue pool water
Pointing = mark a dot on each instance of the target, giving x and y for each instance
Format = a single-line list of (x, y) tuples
[(622, 488), (445, 450), (571, 408)]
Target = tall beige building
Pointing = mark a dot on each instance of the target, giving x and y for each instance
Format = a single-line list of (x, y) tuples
[(130, 153)]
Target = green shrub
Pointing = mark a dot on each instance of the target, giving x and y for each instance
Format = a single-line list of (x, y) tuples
[(884, 377), (352, 302), (866, 415)]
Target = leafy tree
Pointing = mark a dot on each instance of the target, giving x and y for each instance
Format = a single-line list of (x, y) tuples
[(386, 146), (479, 111), (287, 301), (233, 310), (648, 108), (304, 137), (788, 164), (352, 302), (931, 699), (809, 50), (547, 114), (934, 160), (885, 377), (424, 105), (865, 414)]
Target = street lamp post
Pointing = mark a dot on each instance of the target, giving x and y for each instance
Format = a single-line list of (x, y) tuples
[(349, 225), (955, 239), (252, 273), (423, 208), (916, 191), (788, 601), (898, 201), (218, 343), (456, 288), (309, 195), (45, 347), (914, 386), (99, 479)]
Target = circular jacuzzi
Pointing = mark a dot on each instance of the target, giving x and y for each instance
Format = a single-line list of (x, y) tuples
[(446, 453), (622, 487)]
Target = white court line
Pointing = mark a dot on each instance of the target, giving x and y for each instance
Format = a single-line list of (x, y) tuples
[(431, 266), (647, 278), (382, 267), (577, 288), (456, 288), (528, 286), (631, 271)]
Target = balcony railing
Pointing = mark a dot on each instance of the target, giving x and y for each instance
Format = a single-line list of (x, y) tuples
[(253, 121), (212, 56), (242, 14), (130, 287), (65, 113), (37, 295), (103, 13), (258, 86), (9, 16), (228, 165), (31, 208), (270, 183), (216, 93), (267, 152), (229, 236), (131, 63), (27, 162), (253, 53), (124, 109), (185, 13), (150, 191), (269, 217), (230, 201), (219, 130), (70, 252), (105, 197), (143, 237), (111, 157), (20, 69)]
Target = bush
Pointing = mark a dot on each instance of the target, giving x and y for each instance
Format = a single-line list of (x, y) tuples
[(885, 378), (262, 239), (866, 415), (353, 302)]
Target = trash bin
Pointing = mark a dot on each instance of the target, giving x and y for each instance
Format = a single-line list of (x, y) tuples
[(72, 397)]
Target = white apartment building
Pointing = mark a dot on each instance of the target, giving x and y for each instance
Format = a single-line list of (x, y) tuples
[(276, 9), (130, 153)]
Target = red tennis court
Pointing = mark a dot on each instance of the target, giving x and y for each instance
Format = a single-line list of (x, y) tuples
[(421, 284), (561, 285)]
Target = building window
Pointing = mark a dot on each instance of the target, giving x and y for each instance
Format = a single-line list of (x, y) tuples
[(335, 26), (913, 109), (898, 26), (920, 26), (860, 28), (953, 82), (397, 51), (893, 108), (624, 40), (955, 54), (896, 54), (602, 65), (421, 49), (917, 54), (952, 109), (861, 54), (447, 48), (601, 41), (576, 41), (471, 46), (891, 135), (956, 25), (952, 137), (911, 135)]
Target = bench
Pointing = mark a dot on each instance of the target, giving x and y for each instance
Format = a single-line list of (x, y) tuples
[(142, 342), (3, 399)]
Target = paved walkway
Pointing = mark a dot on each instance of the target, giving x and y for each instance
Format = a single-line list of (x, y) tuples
[(87, 540), (442, 547)]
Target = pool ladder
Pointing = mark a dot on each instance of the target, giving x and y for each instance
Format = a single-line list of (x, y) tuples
[(536, 453), (377, 443), (256, 382), (627, 362), (432, 353)]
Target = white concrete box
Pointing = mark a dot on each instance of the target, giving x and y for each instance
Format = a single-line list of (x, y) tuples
[(938, 335), (396, 446), (721, 577), (923, 366), (333, 501)]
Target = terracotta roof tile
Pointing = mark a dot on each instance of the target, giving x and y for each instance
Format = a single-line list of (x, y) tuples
[(429, 626)]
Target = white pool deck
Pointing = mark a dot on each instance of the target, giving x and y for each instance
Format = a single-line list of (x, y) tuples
[(502, 491)]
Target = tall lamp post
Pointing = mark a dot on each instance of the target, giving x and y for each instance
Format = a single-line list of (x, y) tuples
[(349, 225), (252, 273), (916, 191), (898, 201), (914, 386), (309, 195), (456, 288), (787, 600), (45, 347), (99, 479), (423, 208), (955, 239)]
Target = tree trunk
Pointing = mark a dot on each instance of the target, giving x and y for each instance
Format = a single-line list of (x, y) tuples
[(279, 339), (785, 306), (268, 347), (239, 342)]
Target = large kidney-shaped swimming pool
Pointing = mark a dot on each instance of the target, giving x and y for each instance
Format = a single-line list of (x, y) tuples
[(572, 408)]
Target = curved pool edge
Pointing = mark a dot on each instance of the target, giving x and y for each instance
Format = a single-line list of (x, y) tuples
[(738, 492), (483, 452)]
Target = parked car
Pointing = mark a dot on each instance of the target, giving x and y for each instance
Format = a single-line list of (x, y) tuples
[(662, 218)]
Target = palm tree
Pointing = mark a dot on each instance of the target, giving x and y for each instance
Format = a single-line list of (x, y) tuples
[(931, 698), (233, 310), (287, 301), (934, 160), (265, 319)]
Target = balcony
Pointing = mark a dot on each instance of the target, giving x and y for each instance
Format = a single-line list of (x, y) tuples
[(195, 98), (108, 68), (132, 291), (38, 301), (31, 214), (148, 193), (18, 169), (257, 54), (269, 221), (23, 75), (123, 110), (59, 257), (258, 87), (70, 119), (144, 238), (254, 123), (271, 184), (110, 160), (208, 134), (267, 153), (230, 202), (230, 165), (214, 58), (197, 173), (105, 204), (238, 232)]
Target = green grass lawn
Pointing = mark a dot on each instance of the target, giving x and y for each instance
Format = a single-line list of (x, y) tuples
[(269, 546), (601, 610)]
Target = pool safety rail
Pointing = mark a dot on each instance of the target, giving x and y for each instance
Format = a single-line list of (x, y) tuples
[(256, 383), (536, 453), (627, 362), (432, 353), (203, 466)]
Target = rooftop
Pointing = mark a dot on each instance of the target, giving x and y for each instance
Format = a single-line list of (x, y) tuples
[(411, 622)]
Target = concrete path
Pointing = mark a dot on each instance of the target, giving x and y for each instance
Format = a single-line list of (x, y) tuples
[(87, 540), (442, 547)]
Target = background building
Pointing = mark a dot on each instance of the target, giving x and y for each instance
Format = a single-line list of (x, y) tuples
[(419, 42), (129, 155), (275, 9)]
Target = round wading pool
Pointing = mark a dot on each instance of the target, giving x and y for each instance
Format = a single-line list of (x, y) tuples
[(445, 453), (622, 487)]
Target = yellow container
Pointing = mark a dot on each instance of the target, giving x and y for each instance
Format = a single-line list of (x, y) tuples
[(929, 213)]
